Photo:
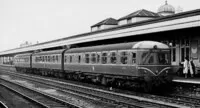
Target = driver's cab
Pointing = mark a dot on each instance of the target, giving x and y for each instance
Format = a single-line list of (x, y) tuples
[(154, 61)]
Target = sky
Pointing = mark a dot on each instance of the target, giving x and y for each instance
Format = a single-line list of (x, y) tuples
[(45, 20)]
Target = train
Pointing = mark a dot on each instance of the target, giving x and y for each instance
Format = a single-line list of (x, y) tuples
[(143, 63)]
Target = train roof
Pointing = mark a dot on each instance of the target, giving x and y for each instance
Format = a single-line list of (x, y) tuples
[(23, 55), (50, 52), (121, 46)]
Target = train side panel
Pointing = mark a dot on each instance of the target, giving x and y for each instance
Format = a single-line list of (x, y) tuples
[(117, 70)]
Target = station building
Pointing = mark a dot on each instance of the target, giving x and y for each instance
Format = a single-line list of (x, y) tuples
[(180, 30)]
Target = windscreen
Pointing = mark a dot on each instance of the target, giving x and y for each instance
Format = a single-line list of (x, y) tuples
[(155, 57)]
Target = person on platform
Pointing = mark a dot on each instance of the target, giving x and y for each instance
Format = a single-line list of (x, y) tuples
[(191, 67), (185, 67)]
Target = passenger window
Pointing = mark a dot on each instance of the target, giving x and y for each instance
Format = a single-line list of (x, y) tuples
[(74, 59), (48, 58), (98, 58), (56, 58), (42, 58), (45, 58), (70, 58), (53, 59), (65, 59), (26, 59), (133, 57), (87, 59), (38, 59), (93, 58), (35, 59), (79, 58), (124, 57), (104, 58), (113, 58)]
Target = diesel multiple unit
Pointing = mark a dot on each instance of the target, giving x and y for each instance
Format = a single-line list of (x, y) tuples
[(119, 64)]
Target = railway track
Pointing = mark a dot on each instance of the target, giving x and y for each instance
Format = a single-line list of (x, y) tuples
[(145, 101), (2, 105), (39, 98), (65, 96)]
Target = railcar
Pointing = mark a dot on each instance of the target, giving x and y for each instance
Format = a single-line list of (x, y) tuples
[(48, 63), (121, 63), (134, 64), (1, 60), (23, 62), (6, 60)]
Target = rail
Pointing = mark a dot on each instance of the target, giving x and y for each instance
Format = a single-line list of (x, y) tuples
[(2, 105), (117, 98), (41, 99)]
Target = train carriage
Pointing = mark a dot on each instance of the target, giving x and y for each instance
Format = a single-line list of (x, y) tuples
[(125, 62), (132, 64), (23, 62), (48, 62)]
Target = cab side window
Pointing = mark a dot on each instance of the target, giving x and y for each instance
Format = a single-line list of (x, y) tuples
[(133, 57)]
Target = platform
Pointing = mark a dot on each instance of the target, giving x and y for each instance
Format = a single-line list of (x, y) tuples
[(189, 80)]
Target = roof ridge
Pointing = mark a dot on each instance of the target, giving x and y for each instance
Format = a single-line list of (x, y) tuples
[(106, 21), (140, 13)]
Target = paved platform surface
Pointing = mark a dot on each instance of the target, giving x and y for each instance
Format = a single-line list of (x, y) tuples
[(191, 80)]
